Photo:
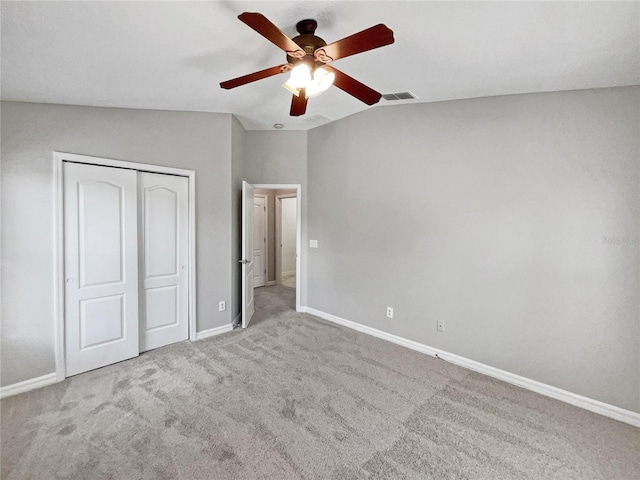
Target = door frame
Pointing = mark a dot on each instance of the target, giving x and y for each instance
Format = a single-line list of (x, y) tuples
[(58, 213), (298, 188), (265, 244), (278, 208)]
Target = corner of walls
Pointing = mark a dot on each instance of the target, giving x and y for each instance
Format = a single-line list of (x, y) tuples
[(238, 160)]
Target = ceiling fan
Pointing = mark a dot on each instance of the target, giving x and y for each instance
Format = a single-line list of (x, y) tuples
[(307, 59)]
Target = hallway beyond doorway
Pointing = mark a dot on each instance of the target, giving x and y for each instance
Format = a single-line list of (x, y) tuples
[(289, 280), (273, 301)]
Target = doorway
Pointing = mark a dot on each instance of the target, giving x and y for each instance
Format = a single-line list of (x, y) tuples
[(272, 259)]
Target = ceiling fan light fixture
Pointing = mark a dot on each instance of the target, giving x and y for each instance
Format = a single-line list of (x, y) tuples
[(322, 80), (307, 54), (314, 85), (300, 78)]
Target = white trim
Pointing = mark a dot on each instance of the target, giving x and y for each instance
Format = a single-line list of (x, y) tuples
[(58, 269), (298, 195), (211, 332), (192, 256), (271, 283), (266, 239), (58, 206), (596, 406), (27, 385), (108, 162), (278, 261)]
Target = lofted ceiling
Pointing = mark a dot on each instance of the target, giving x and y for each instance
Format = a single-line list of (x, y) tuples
[(173, 55)]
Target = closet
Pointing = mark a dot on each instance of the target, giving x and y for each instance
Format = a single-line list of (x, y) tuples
[(126, 263)]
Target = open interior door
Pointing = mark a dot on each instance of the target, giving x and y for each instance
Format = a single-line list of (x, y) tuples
[(248, 306)]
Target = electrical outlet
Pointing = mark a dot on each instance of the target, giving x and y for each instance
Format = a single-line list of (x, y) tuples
[(222, 306), (440, 325), (389, 312), (313, 243)]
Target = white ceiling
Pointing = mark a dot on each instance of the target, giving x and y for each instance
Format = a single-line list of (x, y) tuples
[(173, 55)]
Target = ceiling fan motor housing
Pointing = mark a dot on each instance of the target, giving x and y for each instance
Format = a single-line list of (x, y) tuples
[(307, 40)]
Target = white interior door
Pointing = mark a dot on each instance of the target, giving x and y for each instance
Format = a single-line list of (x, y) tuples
[(101, 270), (248, 306), (163, 202), (288, 240), (259, 241)]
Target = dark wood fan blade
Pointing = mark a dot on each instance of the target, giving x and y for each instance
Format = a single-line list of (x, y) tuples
[(299, 104), (268, 30), (374, 37), (252, 77), (354, 87)]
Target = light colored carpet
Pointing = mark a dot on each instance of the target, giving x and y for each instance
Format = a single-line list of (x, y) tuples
[(296, 397)]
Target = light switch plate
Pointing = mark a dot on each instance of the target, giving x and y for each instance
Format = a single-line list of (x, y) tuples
[(313, 243)]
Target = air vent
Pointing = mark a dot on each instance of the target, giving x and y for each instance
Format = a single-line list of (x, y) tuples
[(399, 96)]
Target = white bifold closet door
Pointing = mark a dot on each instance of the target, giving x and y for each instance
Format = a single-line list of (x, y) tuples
[(126, 257), (101, 266), (163, 229)]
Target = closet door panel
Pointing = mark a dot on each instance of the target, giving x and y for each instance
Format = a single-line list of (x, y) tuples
[(164, 260), (101, 266)]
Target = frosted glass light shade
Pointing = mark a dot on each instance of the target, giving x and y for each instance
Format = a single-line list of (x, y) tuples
[(300, 78), (322, 80)]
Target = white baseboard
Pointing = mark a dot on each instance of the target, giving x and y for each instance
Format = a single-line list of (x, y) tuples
[(596, 406), (211, 332), (289, 272), (27, 385), (271, 282)]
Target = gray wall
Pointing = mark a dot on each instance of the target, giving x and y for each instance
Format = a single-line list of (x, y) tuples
[(30, 133), (280, 157), (513, 219)]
